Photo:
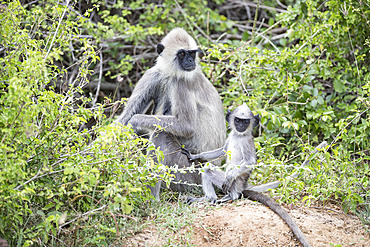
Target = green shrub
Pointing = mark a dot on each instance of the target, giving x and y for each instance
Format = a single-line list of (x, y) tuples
[(50, 176)]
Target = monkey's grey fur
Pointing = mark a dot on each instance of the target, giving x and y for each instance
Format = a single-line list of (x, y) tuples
[(239, 166), (239, 163), (176, 95)]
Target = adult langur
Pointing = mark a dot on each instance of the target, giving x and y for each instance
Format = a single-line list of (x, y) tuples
[(177, 96)]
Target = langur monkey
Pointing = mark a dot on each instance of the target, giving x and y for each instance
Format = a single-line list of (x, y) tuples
[(240, 152), (175, 95), (241, 156)]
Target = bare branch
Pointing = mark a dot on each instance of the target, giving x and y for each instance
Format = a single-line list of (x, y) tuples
[(99, 82), (82, 215), (56, 31)]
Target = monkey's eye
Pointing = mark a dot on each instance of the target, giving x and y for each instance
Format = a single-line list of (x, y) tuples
[(181, 53), (247, 121), (237, 120)]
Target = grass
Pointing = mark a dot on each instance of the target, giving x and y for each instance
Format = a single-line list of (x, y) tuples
[(164, 223)]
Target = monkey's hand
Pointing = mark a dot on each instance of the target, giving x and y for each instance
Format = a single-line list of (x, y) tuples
[(188, 154), (135, 123)]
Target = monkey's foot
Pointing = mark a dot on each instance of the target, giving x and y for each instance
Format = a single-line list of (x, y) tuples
[(190, 200), (224, 199)]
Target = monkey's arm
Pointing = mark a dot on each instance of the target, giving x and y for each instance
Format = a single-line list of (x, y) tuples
[(142, 97), (142, 122), (205, 156), (182, 122)]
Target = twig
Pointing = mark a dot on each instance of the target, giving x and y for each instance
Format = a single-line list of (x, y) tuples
[(56, 31), (115, 222), (279, 36), (335, 139), (240, 77), (269, 41), (82, 215), (254, 23), (11, 127), (335, 211), (281, 5), (37, 177), (99, 82), (310, 40), (248, 42)]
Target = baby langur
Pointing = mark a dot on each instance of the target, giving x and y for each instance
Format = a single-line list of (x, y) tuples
[(239, 166), (240, 160)]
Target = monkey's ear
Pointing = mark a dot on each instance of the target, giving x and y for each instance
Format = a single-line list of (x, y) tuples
[(256, 120), (160, 49), (228, 113)]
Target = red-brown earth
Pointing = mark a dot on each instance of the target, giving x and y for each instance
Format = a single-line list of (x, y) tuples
[(247, 223)]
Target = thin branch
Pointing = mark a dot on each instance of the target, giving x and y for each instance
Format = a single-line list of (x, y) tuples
[(281, 5), (335, 139), (82, 215), (100, 77), (56, 31), (37, 177), (269, 41), (310, 40), (254, 23), (14, 121), (248, 42)]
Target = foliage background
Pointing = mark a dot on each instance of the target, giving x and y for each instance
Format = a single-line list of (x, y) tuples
[(65, 66)]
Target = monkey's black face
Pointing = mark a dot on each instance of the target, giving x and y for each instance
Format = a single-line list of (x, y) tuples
[(186, 59), (241, 124)]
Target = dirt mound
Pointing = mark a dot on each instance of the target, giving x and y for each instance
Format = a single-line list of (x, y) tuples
[(247, 223)]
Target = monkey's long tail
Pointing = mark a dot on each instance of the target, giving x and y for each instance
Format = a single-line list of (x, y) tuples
[(269, 202)]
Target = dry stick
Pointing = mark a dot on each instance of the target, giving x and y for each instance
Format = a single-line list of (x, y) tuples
[(37, 177), (100, 76), (333, 210), (82, 215), (275, 184)]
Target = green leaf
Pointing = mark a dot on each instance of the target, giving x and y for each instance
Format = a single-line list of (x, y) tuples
[(314, 103), (339, 86)]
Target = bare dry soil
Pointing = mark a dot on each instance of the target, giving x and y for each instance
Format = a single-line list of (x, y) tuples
[(246, 223)]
